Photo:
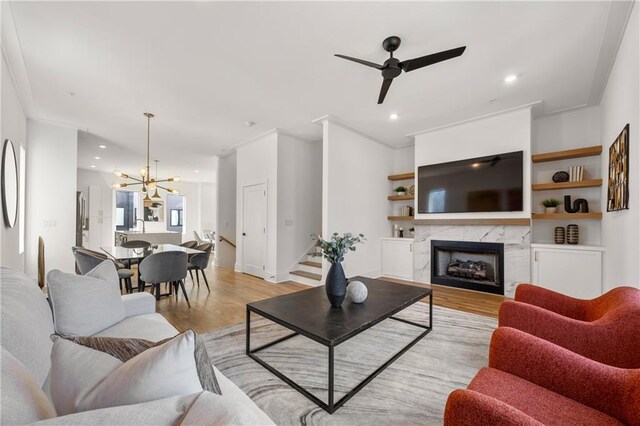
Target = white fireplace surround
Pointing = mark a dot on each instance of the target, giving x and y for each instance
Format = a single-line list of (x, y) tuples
[(516, 240)]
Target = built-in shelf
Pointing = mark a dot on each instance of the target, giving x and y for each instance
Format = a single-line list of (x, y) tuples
[(402, 176), (591, 183), (568, 154), (400, 217), (475, 222), (400, 197), (591, 215)]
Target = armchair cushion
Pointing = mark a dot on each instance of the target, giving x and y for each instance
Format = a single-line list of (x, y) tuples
[(138, 304), (612, 339), (541, 404), (466, 407), (613, 391), (85, 304)]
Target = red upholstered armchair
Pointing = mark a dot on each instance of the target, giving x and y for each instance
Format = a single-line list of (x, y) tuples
[(531, 381), (605, 329)]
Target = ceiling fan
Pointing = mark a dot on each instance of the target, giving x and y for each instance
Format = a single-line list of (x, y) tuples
[(393, 67)]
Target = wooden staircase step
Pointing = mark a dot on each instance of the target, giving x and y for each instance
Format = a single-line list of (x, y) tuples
[(312, 264), (306, 274)]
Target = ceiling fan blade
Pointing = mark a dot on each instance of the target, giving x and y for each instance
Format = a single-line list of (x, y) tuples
[(386, 83), (434, 58), (360, 61)]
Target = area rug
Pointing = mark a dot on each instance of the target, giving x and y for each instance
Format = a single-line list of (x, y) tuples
[(413, 390)]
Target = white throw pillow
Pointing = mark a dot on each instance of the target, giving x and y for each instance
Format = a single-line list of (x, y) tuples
[(86, 379), (85, 304)]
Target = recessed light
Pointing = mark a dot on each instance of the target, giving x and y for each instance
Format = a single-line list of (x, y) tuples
[(475, 165), (393, 116), (492, 100), (93, 166), (102, 146), (97, 158), (510, 78), (249, 123), (196, 171)]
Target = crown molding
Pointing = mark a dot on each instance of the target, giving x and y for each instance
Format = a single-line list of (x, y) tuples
[(530, 106), (342, 123)]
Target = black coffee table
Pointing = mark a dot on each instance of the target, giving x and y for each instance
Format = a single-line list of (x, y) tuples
[(308, 313)]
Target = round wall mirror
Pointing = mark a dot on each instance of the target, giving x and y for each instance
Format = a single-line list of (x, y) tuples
[(9, 184)]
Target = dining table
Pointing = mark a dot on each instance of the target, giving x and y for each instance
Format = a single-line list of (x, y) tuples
[(124, 254)]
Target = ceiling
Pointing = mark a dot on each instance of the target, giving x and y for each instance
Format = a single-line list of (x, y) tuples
[(205, 69)]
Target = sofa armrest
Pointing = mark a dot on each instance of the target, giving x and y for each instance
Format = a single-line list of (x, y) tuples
[(138, 304), (466, 407), (605, 388), (551, 300)]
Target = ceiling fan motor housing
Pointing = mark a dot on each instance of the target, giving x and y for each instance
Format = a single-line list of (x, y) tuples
[(391, 44)]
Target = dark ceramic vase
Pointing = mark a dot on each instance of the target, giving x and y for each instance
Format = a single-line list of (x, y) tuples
[(336, 285)]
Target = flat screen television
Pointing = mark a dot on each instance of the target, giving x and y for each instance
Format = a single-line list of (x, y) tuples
[(484, 184)]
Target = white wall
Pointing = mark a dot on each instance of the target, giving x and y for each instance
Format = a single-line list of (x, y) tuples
[(557, 132), (257, 162), (404, 159), (51, 194), (355, 189), (299, 200), (207, 206), (619, 106), (496, 134), (14, 127), (226, 210)]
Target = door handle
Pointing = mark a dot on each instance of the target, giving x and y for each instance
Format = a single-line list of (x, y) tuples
[(244, 234)]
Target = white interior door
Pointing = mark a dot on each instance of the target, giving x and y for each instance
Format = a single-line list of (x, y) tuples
[(254, 229)]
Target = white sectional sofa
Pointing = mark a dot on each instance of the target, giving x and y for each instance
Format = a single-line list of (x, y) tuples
[(26, 326)]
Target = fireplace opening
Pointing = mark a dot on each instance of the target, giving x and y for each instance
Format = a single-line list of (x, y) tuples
[(471, 265)]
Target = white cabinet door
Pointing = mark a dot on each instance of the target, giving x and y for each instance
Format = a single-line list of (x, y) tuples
[(397, 259), (576, 273)]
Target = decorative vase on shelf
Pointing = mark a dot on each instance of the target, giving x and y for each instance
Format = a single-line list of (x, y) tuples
[(550, 210), (573, 234), (400, 193), (336, 285), (559, 235)]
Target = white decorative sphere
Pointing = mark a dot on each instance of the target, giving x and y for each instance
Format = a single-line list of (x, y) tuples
[(357, 291)]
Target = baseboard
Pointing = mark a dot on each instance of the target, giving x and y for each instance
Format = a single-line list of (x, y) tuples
[(277, 278), (238, 268)]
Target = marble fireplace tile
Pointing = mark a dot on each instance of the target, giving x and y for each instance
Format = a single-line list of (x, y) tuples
[(516, 240)]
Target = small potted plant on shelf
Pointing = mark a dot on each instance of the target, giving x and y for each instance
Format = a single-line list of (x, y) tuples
[(550, 205), (334, 249), (400, 190)]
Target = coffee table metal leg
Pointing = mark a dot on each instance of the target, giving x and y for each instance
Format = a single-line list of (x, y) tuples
[(331, 383), (248, 339)]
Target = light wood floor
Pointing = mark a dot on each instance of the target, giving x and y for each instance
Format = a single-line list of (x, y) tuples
[(231, 291)]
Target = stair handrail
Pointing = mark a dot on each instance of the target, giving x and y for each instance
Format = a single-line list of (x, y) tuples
[(222, 238)]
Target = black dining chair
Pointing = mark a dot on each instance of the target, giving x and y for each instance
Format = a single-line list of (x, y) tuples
[(189, 244), (199, 262), (166, 267), (87, 259)]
